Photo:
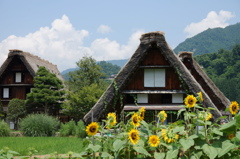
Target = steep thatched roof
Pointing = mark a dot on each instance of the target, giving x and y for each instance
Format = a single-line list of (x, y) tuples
[(206, 83), (32, 63), (148, 41)]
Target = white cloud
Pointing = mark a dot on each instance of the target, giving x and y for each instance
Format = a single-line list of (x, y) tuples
[(103, 29), (212, 20), (62, 45), (104, 49)]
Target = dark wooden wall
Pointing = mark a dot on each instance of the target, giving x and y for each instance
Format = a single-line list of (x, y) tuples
[(154, 59), (7, 80)]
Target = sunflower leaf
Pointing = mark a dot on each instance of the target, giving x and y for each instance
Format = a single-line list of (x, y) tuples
[(118, 145), (94, 148), (159, 155), (141, 150), (226, 147), (172, 154), (186, 143), (237, 118), (210, 151), (228, 127)]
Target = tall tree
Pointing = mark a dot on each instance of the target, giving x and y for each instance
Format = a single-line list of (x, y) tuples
[(88, 72), (85, 87), (48, 90)]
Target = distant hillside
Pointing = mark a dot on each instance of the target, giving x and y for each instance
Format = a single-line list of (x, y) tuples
[(109, 67), (119, 63), (211, 40)]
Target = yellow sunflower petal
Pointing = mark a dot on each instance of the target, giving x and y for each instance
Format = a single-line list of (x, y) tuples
[(92, 128), (133, 136), (190, 101), (135, 120), (234, 107), (154, 140)]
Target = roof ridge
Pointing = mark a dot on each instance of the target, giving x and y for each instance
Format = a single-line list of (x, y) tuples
[(32, 55)]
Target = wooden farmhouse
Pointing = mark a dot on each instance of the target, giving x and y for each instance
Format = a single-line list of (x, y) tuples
[(158, 79), (17, 73)]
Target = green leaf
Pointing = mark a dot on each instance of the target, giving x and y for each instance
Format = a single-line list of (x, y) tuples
[(238, 135), (186, 143), (217, 132), (178, 129), (172, 154), (196, 155), (141, 150), (95, 148), (210, 151), (106, 154), (159, 155), (193, 136), (237, 118), (180, 111), (118, 145), (226, 147), (228, 127)]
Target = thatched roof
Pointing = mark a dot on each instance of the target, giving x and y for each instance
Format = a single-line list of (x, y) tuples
[(148, 41), (206, 83), (32, 63)]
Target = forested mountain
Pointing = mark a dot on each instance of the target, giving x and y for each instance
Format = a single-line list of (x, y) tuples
[(107, 68), (223, 68), (211, 40)]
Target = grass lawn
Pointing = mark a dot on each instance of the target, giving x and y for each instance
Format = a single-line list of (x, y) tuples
[(44, 145)]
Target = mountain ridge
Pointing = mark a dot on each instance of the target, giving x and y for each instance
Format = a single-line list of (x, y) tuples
[(211, 40)]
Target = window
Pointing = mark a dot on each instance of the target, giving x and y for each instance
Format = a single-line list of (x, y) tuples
[(18, 77), (154, 78), (177, 98), (5, 92), (142, 98)]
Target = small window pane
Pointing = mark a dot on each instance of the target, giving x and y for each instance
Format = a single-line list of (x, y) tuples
[(159, 78), (142, 98), (177, 98), (5, 92), (148, 78), (18, 77)]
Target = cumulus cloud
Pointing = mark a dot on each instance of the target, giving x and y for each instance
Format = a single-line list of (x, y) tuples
[(105, 49), (103, 29), (63, 45), (212, 20)]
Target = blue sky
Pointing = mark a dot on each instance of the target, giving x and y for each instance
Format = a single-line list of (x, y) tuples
[(63, 31)]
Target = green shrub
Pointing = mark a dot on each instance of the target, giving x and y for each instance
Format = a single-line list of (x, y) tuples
[(68, 129), (16, 110), (80, 130), (39, 125), (4, 129)]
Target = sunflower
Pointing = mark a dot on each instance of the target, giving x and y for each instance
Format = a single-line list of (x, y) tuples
[(208, 116), (153, 140), (111, 120), (142, 113), (135, 120), (200, 97), (133, 136), (162, 115), (168, 136), (234, 107), (231, 136), (92, 128), (190, 101)]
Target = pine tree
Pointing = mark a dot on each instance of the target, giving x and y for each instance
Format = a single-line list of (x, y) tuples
[(48, 90)]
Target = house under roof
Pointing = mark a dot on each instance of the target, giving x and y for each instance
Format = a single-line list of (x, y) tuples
[(31, 61), (17, 74), (175, 76)]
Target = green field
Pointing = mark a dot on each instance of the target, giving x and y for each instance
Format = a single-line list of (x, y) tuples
[(44, 145)]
